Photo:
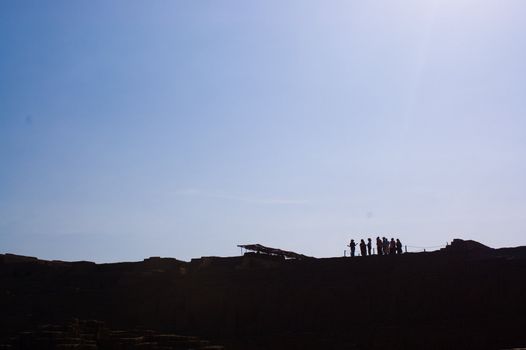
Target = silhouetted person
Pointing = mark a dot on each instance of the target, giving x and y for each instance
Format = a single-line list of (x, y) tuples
[(369, 246), (392, 247), (398, 246), (352, 245), (363, 248), (385, 244), (379, 246)]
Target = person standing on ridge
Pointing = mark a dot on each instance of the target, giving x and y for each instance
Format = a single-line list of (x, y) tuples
[(398, 246), (379, 246), (385, 244), (392, 247), (363, 250), (352, 245), (369, 246)]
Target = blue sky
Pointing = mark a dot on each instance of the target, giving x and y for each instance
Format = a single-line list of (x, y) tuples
[(131, 129)]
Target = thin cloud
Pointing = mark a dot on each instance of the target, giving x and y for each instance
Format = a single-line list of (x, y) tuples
[(192, 192)]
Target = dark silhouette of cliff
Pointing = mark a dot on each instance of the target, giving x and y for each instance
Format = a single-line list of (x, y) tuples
[(466, 296)]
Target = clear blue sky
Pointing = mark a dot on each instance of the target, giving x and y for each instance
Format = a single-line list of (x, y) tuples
[(131, 129)]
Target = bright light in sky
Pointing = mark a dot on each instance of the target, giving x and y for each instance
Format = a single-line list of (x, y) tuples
[(183, 128)]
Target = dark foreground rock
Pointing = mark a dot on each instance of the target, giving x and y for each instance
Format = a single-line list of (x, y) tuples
[(94, 335), (466, 296)]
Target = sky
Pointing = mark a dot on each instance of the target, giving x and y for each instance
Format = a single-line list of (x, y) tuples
[(131, 129)]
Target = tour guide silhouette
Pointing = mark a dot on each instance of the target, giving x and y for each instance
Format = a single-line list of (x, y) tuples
[(352, 245)]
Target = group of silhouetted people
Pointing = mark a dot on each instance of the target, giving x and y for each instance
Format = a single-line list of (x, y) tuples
[(383, 246)]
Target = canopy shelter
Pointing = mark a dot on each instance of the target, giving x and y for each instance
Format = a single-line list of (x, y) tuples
[(258, 248)]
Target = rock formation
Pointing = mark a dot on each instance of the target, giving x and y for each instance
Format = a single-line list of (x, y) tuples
[(464, 297), (94, 335)]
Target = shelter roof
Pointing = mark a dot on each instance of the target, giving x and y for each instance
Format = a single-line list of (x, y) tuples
[(258, 248)]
